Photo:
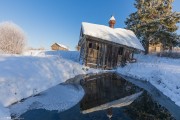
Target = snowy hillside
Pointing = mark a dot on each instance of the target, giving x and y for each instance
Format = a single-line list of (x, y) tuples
[(70, 55), (24, 76), (34, 72), (163, 73)]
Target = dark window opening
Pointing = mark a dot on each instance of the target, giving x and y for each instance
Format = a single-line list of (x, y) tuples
[(120, 51), (90, 45), (98, 47)]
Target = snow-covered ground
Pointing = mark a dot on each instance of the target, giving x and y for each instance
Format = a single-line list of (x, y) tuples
[(24, 76), (37, 71), (33, 52), (4, 113), (163, 73), (70, 55), (60, 97)]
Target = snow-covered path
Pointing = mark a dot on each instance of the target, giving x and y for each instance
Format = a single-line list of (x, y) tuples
[(163, 73)]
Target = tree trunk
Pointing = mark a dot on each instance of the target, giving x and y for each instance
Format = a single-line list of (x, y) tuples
[(171, 46), (146, 47)]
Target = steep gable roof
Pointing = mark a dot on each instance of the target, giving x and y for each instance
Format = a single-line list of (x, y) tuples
[(61, 45), (116, 35)]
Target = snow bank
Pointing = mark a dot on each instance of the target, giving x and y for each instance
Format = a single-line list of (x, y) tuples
[(4, 113), (163, 73), (70, 55), (60, 97), (24, 76), (33, 52)]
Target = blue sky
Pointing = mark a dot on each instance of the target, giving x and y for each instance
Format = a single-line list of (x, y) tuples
[(49, 21)]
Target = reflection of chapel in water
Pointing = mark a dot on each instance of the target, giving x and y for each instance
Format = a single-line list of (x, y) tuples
[(108, 91), (108, 96)]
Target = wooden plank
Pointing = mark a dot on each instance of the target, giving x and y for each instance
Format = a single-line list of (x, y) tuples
[(104, 56), (100, 55), (81, 53), (86, 51)]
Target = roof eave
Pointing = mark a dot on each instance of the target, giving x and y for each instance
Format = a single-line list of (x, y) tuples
[(87, 36)]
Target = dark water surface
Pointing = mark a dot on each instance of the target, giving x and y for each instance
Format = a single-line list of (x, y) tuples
[(109, 96)]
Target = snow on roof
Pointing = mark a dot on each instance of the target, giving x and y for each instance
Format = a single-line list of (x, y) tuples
[(116, 35), (112, 18), (114, 104), (62, 46)]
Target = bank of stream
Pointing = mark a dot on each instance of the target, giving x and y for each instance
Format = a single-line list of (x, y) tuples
[(109, 96)]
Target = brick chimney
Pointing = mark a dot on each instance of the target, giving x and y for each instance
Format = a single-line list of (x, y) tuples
[(112, 22)]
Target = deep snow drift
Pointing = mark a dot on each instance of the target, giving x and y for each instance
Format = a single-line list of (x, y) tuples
[(24, 76), (163, 73)]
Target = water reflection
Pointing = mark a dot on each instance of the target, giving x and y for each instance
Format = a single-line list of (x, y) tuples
[(107, 90), (108, 96), (144, 108)]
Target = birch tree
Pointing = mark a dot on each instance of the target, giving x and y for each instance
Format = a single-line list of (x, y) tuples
[(12, 38)]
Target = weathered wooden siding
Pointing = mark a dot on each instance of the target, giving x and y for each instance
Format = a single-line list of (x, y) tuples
[(101, 54)]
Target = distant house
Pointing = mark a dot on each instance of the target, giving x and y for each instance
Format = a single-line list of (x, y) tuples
[(106, 47), (57, 46), (154, 48)]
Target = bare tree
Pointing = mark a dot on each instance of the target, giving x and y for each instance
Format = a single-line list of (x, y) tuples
[(12, 38)]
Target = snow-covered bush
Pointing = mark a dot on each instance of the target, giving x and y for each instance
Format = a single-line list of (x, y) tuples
[(12, 38)]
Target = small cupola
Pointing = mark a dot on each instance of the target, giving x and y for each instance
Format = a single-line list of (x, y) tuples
[(112, 22)]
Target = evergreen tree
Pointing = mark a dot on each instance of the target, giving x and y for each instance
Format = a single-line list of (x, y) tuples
[(154, 22)]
